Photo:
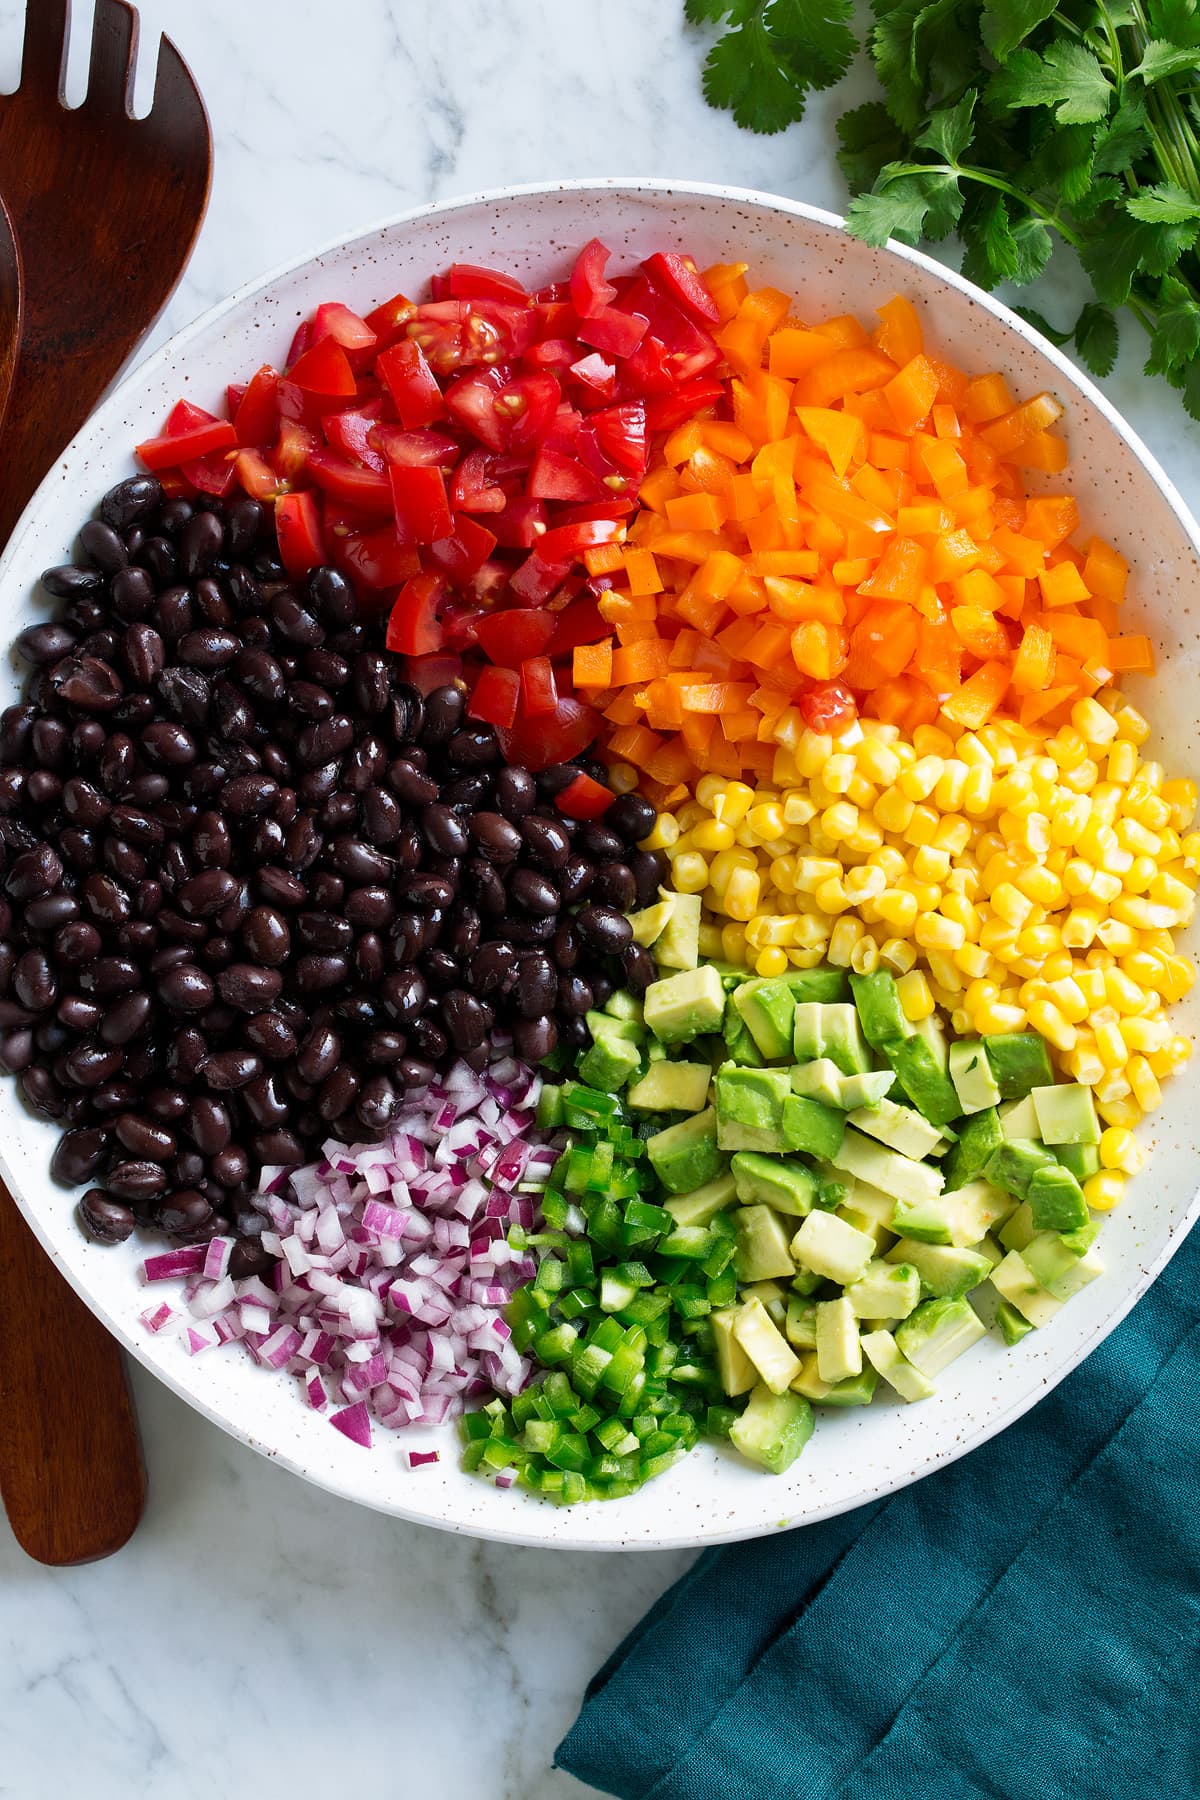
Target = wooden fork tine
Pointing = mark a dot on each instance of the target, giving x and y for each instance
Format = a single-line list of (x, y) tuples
[(175, 90), (114, 50), (47, 34)]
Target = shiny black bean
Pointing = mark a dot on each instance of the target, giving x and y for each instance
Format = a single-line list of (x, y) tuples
[(249, 1258), (546, 842), (473, 746), (614, 886), (202, 896), (40, 644), (294, 622), (83, 803), (338, 1093), (485, 885), (465, 1019), (185, 693), (130, 501), (138, 1180), (445, 708), (467, 793), (406, 713), (537, 985), (405, 995), (331, 598), (230, 1166), (266, 936), (369, 908), (51, 912), (125, 1018), (211, 603), (371, 687), (495, 837), (269, 1033), (106, 1221), (533, 893), (183, 1212), (200, 544), (89, 1063), (528, 928), (318, 974), (493, 969), (102, 546), (249, 796), (444, 831), (186, 989), (78, 1154), (598, 842), (516, 793), (535, 1038), (226, 1069), (78, 1014), (244, 523), (323, 931), (553, 780), (143, 1138), (413, 786), (133, 595), (319, 1054), (385, 1047), (631, 817), (34, 872), (649, 870), (603, 929), (574, 996), (576, 879), (279, 887)]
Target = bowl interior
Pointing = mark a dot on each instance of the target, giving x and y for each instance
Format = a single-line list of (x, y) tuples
[(1122, 495)]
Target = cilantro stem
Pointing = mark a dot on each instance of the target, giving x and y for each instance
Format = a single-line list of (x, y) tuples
[(987, 178)]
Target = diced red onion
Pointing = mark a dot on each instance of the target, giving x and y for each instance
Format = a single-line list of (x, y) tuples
[(353, 1422)]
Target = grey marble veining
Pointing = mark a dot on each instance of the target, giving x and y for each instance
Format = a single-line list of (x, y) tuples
[(258, 1636)]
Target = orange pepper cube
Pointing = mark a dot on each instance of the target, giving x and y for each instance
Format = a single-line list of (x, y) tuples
[(1062, 585)]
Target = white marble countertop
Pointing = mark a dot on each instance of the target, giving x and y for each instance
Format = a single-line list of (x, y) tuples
[(258, 1635)]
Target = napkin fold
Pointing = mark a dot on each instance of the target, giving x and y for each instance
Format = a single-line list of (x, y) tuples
[(1024, 1625)]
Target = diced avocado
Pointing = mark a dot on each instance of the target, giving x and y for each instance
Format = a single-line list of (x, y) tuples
[(923, 1078), (865, 1203), (1062, 1262), (766, 1346), (762, 1245), (971, 1073), (831, 1248), (1083, 1160), (824, 1081), (772, 1294), (822, 983), (811, 1127), (961, 1217), (1020, 1061), (885, 1290), (880, 1013), (977, 1138), (1016, 1231), (736, 1371), (612, 1057), (702, 1205), (1019, 1120), (808, 1382), (937, 1332), (750, 1106), (944, 1271), (740, 1047), (1066, 1114), (649, 924), (839, 1352), (856, 1390), (899, 1127), (778, 1181), (1015, 1282), (671, 1087), (897, 1175), (842, 1040), (807, 1038), (1014, 1165), (886, 1359), (987, 1246), (678, 945), (609, 1025), (800, 1324), (767, 1008), (686, 1155), (621, 1004), (774, 1428), (1056, 1200), (805, 1282), (1012, 1326), (680, 1007)]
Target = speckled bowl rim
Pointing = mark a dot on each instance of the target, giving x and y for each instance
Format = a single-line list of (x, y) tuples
[(529, 1519)]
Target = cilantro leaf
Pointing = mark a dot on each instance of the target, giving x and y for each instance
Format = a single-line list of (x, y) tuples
[(1127, 248), (1162, 59), (1096, 338), (1034, 245), (1068, 78), (1119, 142), (923, 48), (897, 210), (869, 140), (1007, 23), (706, 12), (1041, 323), (1165, 203), (776, 51), (949, 131), (991, 253), (1176, 341)]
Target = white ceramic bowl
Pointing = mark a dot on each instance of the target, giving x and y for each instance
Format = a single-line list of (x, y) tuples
[(711, 1496)]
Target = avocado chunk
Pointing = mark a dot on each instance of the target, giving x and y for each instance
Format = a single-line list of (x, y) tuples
[(671, 1087), (824, 1081), (1083, 1160), (772, 1294), (740, 1047), (961, 1217), (839, 1352), (943, 1270), (1017, 1230), (765, 1345), (971, 1073), (807, 1036), (811, 1127), (1056, 1200), (800, 1323), (899, 1127), (773, 1429), (977, 1138), (1064, 1262), (737, 1373), (886, 1359), (680, 1007), (767, 1009), (856, 1390), (885, 1290), (612, 1057), (701, 1205), (762, 1245), (882, 1168), (824, 984), (1020, 1061), (1014, 1165), (880, 1013), (842, 1040), (923, 1078), (648, 924), (778, 1181), (623, 1005), (808, 1382), (1018, 1119), (678, 944), (937, 1332), (1015, 1282), (1066, 1114), (686, 1155), (1012, 1326), (831, 1248), (750, 1106)]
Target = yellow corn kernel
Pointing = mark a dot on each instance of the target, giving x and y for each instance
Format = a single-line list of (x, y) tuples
[(767, 821), (782, 874), (1010, 904), (1082, 779), (1118, 938), (915, 997), (1131, 724), (622, 777), (1105, 887), (930, 740), (1059, 965), (811, 871), (897, 955), (1123, 993), (838, 772), (1119, 1150), (1124, 1113), (1110, 1043), (798, 809), (1070, 999), (711, 835), (731, 803), (919, 781), (733, 943), (771, 962), (929, 864), (922, 827), (974, 753), (1104, 1191), (977, 791), (999, 743), (839, 820), (866, 837), (947, 981), (1045, 1018), (981, 993), (952, 784), (664, 834), (877, 762), (742, 894), (832, 897), (1084, 1065), (1037, 883), (1070, 817), (812, 753), (842, 940), (935, 932), (1092, 722), (689, 872), (864, 958), (893, 810), (811, 932), (864, 883), (971, 961), (1144, 1083), (960, 1021), (897, 909), (689, 814), (1079, 927), (952, 835), (1182, 797), (995, 1017)]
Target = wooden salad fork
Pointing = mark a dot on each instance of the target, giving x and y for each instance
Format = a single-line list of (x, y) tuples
[(105, 209), (10, 305)]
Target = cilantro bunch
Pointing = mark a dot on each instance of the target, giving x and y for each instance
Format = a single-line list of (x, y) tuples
[(1012, 123)]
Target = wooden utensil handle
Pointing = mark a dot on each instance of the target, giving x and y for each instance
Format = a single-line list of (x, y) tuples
[(71, 1467)]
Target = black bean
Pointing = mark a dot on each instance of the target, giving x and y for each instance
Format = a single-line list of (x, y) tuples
[(464, 1017), (89, 1063), (270, 1034), (495, 837), (533, 893), (106, 1221), (102, 546), (230, 1166), (185, 693), (338, 1093), (598, 842), (369, 908), (444, 710), (485, 884), (244, 523), (331, 597), (40, 644), (546, 842), (126, 1018), (319, 1054), (551, 781), (405, 995), (493, 968), (467, 793), (16, 1050), (473, 746), (574, 996), (576, 879), (537, 985), (324, 931), (51, 912), (186, 989), (200, 544), (371, 686), (603, 929), (294, 622), (249, 796), (34, 872), (444, 831), (279, 887), (406, 713), (631, 817), (614, 886), (144, 1139), (318, 974), (516, 793), (649, 870), (412, 785), (183, 1212), (78, 1014), (535, 1038), (130, 501), (225, 1069), (78, 1154), (248, 1258)]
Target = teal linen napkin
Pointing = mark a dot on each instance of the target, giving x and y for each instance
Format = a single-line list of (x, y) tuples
[(1024, 1625)]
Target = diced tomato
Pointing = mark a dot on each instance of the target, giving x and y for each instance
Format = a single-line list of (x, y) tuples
[(428, 672), (677, 276), (413, 626), (578, 623), (467, 281), (590, 293), (420, 449), (376, 560), (366, 489), (323, 369), (596, 376), (390, 320), (298, 528), (616, 333), (539, 692), (553, 354), (292, 451), (584, 798), (495, 697), (213, 474), (829, 707), (349, 434), (646, 372), (489, 584), (345, 327), (471, 403), (472, 488), (536, 579), (513, 636), (235, 393), (257, 417), (558, 476), (420, 504), (527, 408), (299, 343), (521, 524), (410, 381), (536, 743), (465, 551), (255, 475), (501, 332), (175, 448), (440, 329), (620, 434), (562, 543), (668, 410)]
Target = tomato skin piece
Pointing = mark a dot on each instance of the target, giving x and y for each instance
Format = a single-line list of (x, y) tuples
[(213, 474), (409, 380), (390, 320), (511, 637), (679, 278), (428, 672), (554, 355), (668, 410), (620, 434), (469, 281), (334, 320), (298, 528), (539, 692), (556, 475), (413, 627), (462, 554), (292, 451), (173, 449), (495, 698), (375, 560), (366, 489), (299, 344), (596, 376), (255, 475), (526, 407), (584, 798), (590, 293), (472, 488), (348, 434), (522, 523), (578, 623), (256, 420), (615, 333), (420, 505), (324, 369), (563, 543), (536, 743), (471, 403), (423, 448), (536, 579)]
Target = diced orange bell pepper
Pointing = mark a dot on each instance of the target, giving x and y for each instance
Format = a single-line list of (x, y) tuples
[(899, 573), (899, 335), (979, 696), (1131, 655), (592, 664)]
